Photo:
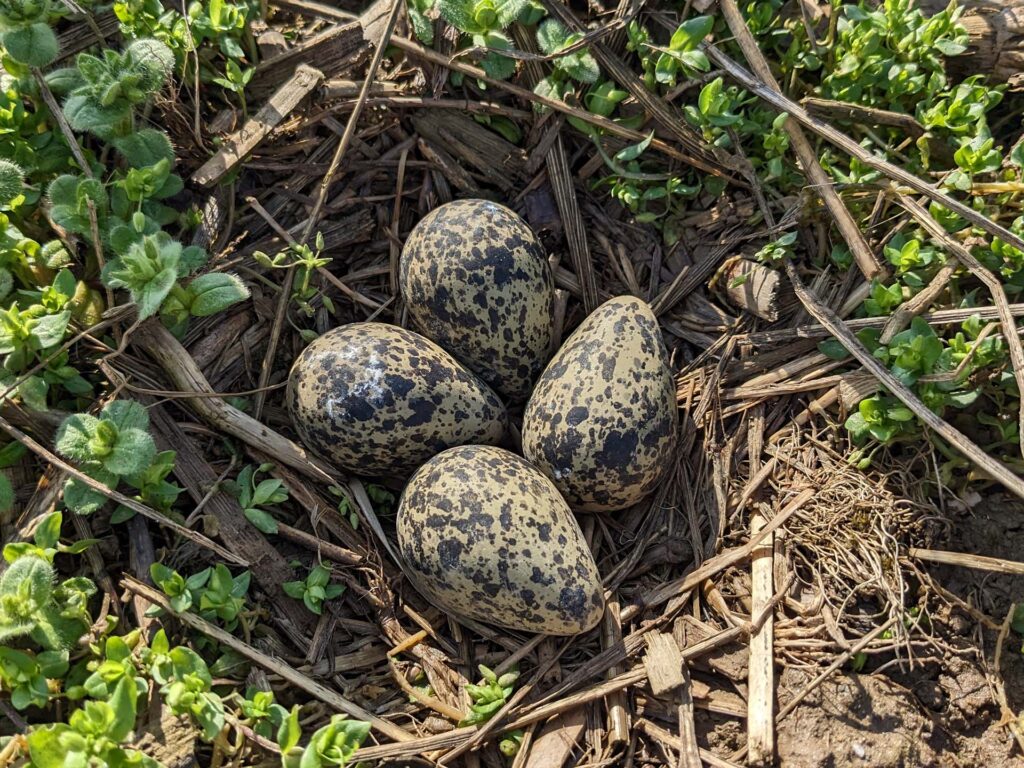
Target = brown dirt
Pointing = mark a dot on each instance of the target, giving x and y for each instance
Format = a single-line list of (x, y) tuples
[(941, 715)]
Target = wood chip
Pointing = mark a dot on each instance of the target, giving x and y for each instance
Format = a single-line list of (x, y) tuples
[(558, 740), (663, 662)]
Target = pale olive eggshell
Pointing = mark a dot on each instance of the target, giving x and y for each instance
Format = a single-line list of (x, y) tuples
[(376, 399), (486, 536), (476, 281), (602, 420)]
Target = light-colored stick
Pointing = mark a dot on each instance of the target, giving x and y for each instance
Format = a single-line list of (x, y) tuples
[(761, 675), (978, 562)]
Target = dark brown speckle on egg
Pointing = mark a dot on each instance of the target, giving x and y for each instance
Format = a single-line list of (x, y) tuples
[(378, 399), (602, 420), (488, 537), (477, 282)]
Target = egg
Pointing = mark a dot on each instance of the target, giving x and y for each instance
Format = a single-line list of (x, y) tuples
[(602, 420), (486, 536), (377, 399), (476, 281)]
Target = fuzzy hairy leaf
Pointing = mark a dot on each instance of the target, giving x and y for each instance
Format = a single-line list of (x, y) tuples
[(12, 179), (127, 414), (63, 80), (458, 13), (215, 292), (35, 45), (152, 294), (49, 330), (87, 116), (74, 435), (133, 452), (145, 147), (551, 36), (422, 27), (82, 499), (153, 54)]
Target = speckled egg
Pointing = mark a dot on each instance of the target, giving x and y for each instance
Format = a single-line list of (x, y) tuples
[(477, 282), (602, 420), (377, 399), (486, 536)]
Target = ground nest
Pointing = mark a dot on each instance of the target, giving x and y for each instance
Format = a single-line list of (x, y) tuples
[(782, 590)]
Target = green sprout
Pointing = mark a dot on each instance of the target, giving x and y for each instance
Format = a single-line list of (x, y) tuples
[(315, 589), (489, 696), (254, 495)]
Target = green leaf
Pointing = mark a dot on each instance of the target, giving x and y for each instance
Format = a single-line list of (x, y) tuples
[(74, 436), (133, 452), (6, 493), (691, 32), (85, 115), (82, 499), (127, 414), (47, 749), (122, 702), (288, 734), (215, 292), (709, 94), (422, 27), (48, 331), (833, 349), (35, 45), (294, 589), (633, 152), (152, 294), (48, 533), (12, 181), (264, 521), (145, 147), (33, 391), (551, 36)]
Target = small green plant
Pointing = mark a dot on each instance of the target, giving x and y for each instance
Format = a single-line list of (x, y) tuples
[(254, 494), (683, 55), (12, 184), (510, 743), (777, 250), (150, 270), (36, 608), (153, 487), (332, 745), (975, 156), (185, 684), (579, 65), (213, 592), (306, 262), (484, 23), (111, 86), (114, 445), (489, 696), (260, 711), (315, 589), (235, 80)]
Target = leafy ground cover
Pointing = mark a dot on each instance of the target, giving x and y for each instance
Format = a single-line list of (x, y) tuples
[(172, 557)]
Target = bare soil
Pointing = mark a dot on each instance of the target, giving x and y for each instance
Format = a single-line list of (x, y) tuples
[(938, 714)]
